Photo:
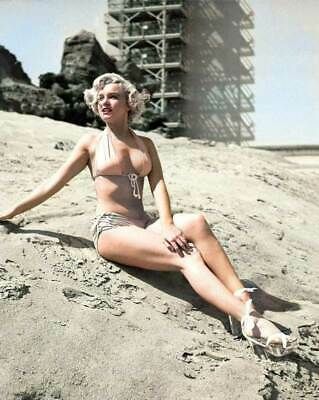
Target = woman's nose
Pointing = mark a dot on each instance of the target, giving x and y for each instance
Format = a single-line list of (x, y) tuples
[(105, 101)]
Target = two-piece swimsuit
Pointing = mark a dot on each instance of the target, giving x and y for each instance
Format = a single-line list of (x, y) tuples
[(104, 221)]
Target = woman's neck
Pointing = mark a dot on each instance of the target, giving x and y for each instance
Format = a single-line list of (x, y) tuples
[(121, 131)]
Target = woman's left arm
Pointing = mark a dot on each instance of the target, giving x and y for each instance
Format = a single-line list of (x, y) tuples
[(174, 238)]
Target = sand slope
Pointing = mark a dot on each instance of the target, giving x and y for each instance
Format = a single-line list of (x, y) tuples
[(73, 326)]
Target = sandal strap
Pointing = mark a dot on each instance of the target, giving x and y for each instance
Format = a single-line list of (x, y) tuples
[(247, 321), (239, 292), (278, 335)]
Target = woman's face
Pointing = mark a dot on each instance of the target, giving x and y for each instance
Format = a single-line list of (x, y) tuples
[(112, 104)]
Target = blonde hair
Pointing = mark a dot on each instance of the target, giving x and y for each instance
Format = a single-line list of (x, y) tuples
[(136, 100)]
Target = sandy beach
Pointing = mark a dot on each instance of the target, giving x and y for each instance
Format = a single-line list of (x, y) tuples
[(73, 326)]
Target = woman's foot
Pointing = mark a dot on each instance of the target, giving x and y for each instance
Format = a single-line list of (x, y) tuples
[(262, 332), (243, 295)]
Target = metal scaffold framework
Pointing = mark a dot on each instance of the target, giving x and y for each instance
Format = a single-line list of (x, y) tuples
[(190, 47), (234, 46)]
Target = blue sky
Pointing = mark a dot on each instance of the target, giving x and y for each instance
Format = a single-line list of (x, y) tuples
[(286, 44), (287, 71), (35, 30)]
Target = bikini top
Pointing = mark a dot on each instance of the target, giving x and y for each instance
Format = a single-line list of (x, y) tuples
[(104, 164)]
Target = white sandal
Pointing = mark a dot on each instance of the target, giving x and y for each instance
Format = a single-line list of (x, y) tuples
[(235, 325), (278, 349)]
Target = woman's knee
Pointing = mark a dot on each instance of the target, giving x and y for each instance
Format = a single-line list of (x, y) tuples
[(195, 224)]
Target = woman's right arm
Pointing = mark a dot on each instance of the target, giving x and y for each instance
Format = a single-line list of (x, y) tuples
[(76, 162)]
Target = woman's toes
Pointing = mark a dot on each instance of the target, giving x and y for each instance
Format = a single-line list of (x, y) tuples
[(268, 330)]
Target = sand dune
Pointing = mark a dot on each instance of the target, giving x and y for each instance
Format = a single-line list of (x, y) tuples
[(74, 326)]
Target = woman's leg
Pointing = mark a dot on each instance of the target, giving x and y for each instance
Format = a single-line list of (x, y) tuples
[(196, 230), (138, 247)]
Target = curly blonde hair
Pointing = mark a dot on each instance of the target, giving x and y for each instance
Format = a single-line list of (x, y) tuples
[(136, 100)]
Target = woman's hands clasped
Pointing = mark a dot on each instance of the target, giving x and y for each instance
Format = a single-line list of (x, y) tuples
[(175, 240)]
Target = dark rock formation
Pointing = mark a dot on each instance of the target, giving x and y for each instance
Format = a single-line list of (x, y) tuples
[(18, 94), (28, 99), (11, 68), (84, 59)]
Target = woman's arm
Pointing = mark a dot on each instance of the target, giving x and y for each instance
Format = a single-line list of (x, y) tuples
[(75, 164), (158, 186), (174, 238)]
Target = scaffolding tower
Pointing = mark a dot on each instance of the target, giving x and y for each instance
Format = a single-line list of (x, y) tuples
[(198, 52)]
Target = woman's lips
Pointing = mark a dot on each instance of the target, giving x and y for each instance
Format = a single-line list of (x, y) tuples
[(106, 110)]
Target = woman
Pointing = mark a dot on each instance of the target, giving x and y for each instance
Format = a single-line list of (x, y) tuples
[(119, 160)]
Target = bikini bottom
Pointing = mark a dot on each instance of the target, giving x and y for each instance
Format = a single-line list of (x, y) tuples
[(111, 220)]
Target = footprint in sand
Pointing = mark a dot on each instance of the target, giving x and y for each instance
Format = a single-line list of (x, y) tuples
[(90, 300)]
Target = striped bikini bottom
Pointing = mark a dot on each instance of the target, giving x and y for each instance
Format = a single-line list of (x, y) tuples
[(111, 220)]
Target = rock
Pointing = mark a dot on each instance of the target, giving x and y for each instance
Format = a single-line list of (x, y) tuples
[(11, 68), (64, 145), (84, 59), (48, 80), (19, 95), (28, 99)]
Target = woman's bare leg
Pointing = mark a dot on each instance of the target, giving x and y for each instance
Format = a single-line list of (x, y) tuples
[(196, 230), (143, 248), (134, 246)]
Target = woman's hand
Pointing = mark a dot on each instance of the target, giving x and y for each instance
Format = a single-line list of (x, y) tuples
[(8, 214), (175, 240)]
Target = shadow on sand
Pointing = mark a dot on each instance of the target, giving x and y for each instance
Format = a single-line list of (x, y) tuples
[(69, 240), (173, 283)]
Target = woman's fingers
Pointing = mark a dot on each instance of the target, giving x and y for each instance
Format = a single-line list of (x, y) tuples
[(181, 243), (174, 245), (169, 245), (178, 244)]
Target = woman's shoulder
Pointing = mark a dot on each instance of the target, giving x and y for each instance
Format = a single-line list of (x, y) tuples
[(148, 142), (89, 139)]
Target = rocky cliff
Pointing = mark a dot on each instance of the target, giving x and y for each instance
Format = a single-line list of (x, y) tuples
[(18, 94), (11, 68), (60, 96)]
